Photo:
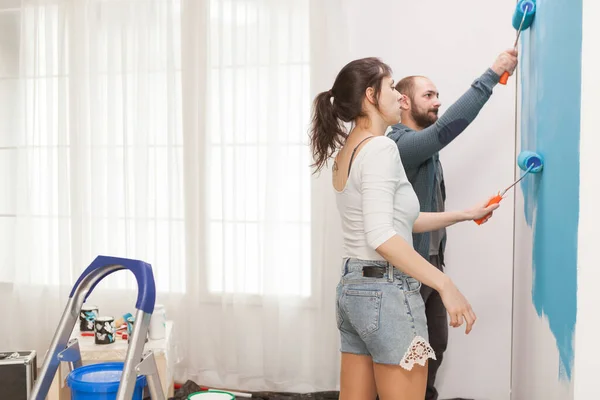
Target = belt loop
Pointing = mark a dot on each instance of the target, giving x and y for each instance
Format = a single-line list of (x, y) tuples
[(345, 268), (390, 272)]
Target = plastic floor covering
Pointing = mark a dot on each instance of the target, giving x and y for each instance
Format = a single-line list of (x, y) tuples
[(191, 387)]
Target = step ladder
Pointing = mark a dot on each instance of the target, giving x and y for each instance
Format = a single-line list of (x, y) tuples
[(136, 361)]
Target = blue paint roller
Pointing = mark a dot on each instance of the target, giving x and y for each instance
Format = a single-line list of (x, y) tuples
[(528, 161), (522, 19)]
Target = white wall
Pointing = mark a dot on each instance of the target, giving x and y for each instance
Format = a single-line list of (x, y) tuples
[(543, 335), (587, 357), (453, 42), (535, 355)]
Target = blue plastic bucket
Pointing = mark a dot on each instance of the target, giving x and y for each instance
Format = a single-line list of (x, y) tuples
[(100, 382)]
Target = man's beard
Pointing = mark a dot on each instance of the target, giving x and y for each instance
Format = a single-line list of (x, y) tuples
[(426, 119)]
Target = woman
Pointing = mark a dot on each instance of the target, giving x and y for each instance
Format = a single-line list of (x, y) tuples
[(380, 312)]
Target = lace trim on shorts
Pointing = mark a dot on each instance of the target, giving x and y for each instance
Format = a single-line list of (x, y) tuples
[(418, 352)]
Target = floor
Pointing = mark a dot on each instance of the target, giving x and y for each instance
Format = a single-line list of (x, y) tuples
[(191, 387)]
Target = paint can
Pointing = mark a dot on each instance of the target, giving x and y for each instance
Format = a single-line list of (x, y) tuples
[(158, 323), (87, 316), (104, 330), (130, 321)]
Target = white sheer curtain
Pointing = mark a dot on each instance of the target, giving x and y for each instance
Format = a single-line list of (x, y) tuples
[(264, 313), (176, 132), (97, 154)]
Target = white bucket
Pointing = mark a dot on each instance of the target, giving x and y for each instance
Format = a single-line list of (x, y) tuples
[(213, 395)]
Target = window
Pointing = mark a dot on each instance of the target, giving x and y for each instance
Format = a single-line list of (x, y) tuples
[(259, 175), (9, 70), (98, 151)]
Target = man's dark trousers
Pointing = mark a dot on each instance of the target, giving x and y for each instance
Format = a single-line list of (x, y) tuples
[(437, 325)]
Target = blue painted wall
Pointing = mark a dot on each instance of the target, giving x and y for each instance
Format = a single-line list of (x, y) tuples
[(551, 98)]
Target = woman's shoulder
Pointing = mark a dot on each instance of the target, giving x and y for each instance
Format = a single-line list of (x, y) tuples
[(381, 146)]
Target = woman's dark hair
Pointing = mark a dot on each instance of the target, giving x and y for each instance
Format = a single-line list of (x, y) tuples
[(343, 103)]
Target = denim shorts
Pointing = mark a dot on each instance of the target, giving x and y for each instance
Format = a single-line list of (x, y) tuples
[(382, 317)]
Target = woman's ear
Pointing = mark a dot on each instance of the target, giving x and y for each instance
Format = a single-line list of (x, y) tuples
[(370, 94)]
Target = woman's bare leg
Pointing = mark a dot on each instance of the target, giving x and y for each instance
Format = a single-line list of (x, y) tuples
[(357, 381), (396, 383)]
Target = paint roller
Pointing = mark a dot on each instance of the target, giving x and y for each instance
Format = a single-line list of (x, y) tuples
[(522, 19), (528, 161)]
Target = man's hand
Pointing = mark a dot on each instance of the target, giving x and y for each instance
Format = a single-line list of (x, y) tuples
[(506, 61)]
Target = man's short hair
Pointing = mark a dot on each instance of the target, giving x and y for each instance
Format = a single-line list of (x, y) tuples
[(406, 86)]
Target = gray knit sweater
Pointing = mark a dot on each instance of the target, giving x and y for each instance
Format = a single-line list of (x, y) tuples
[(418, 149)]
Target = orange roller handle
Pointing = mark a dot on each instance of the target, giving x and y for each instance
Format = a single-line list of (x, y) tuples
[(504, 78), (494, 200)]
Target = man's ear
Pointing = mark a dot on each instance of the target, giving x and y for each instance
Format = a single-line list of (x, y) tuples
[(405, 103), (370, 94)]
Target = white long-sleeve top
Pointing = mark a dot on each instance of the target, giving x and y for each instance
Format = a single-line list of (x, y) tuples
[(377, 202)]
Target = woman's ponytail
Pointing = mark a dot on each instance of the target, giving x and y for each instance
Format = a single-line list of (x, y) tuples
[(326, 133)]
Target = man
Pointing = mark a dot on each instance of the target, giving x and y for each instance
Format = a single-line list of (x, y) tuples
[(420, 137)]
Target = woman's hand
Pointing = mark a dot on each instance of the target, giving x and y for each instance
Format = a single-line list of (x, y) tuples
[(482, 211), (457, 306)]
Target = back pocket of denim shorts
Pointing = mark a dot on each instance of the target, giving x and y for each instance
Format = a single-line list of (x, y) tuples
[(362, 308)]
